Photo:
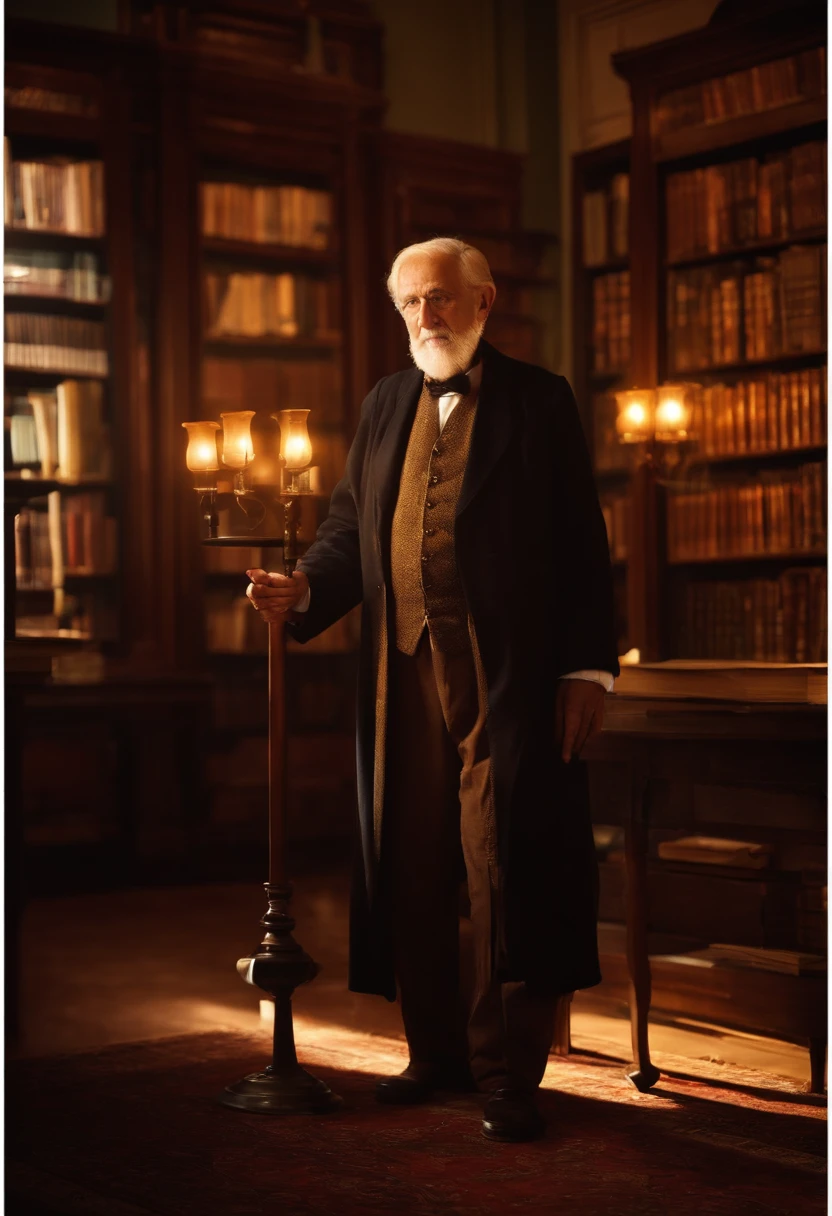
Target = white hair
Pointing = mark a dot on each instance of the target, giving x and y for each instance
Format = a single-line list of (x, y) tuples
[(475, 268)]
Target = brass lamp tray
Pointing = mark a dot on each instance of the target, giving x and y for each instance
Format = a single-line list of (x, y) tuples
[(245, 542)]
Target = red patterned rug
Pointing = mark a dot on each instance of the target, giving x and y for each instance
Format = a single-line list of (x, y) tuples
[(136, 1130)]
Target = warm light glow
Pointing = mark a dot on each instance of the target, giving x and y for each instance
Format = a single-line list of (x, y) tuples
[(634, 423), (237, 446), (201, 456), (295, 445), (672, 423)]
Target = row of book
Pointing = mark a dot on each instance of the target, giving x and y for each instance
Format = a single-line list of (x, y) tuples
[(56, 194), (74, 536), (277, 215), (771, 413), (61, 276), (49, 343), (617, 509), (606, 222), (611, 322), (257, 305), (780, 513), (720, 207), (780, 620), (63, 433), (727, 315), (83, 617), (763, 87), (32, 97)]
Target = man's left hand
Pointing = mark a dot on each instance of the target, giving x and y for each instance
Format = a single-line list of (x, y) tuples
[(579, 715)]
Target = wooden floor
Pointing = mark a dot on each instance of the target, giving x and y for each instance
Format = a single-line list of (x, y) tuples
[(131, 965)]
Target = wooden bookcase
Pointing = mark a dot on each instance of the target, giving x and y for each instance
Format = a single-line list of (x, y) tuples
[(421, 188), (728, 250), (601, 325), (62, 401)]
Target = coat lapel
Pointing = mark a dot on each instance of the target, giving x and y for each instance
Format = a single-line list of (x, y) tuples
[(492, 426)]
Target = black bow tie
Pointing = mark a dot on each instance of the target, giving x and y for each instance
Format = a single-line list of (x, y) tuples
[(456, 384)]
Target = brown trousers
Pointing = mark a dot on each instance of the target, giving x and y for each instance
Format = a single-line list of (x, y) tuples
[(439, 828)]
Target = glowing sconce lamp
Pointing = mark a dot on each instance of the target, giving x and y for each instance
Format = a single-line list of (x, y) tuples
[(237, 446), (636, 409), (672, 421)]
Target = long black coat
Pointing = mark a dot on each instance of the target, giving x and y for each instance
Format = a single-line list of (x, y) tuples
[(532, 553)]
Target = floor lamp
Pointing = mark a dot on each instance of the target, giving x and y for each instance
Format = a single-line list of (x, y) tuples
[(279, 965)]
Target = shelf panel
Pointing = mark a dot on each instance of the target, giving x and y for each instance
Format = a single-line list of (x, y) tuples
[(781, 455), (36, 486), (39, 238), (614, 267), (744, 129), (271, 344), (523, 280), (797, 555), (218, 248), (29, 301), (46, 377), (52, 124), (758, 248), (804, 358)]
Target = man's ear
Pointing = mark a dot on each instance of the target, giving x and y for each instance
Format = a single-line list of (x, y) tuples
[(487, 296)]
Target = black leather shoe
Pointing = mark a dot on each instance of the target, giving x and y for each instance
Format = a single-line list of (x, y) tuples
[(512, 1115), (419, 1082)]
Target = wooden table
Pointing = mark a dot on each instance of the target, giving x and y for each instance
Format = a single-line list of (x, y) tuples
[(762, 763)]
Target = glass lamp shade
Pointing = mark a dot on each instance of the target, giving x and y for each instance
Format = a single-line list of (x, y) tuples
[(673, 413), (237, 446), (295, 445), (201, 456), (634, 422)]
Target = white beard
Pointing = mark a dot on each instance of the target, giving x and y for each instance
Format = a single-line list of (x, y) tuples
[(451, 356)]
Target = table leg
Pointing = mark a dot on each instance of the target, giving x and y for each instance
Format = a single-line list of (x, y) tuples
[(817, 1064), (562, 1043), (645, 1074)]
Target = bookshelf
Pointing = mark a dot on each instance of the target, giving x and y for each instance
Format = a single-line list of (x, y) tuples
[(60, 400), (421, 188), (729, 236), (601, 325)]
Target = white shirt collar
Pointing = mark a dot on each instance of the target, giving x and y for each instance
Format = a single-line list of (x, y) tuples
[(474, 379)]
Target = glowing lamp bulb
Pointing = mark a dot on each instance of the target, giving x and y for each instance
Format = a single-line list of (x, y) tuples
[(201, 456), (672, 413), (634, 423), (295, 445), (237, 446)]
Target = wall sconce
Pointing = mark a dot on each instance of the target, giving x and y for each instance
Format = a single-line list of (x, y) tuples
[(659, 419), (279, 965)]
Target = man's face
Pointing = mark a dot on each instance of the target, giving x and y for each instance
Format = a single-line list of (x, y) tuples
[(444, 316)]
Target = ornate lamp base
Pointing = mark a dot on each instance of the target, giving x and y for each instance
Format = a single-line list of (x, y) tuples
[(279, 966), (287, 1093)]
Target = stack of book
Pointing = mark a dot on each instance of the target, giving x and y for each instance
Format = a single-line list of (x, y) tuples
[(726, 206), (611, 322), (82, 540), (280, 215), (781, 512), (780, 620), (720, 315), (720, 680), (55, 194), (765, 86), (62, 276), (45, 343), (257, 305), (63, 433), (606, 221), (771, 413)]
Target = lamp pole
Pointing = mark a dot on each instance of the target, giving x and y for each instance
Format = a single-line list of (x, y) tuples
[(279, 964)]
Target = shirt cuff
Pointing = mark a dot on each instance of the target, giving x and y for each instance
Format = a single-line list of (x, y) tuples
[(605, 678), (303, 605)]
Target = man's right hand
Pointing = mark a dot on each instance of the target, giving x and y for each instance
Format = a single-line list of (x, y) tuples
[(273, 595)]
